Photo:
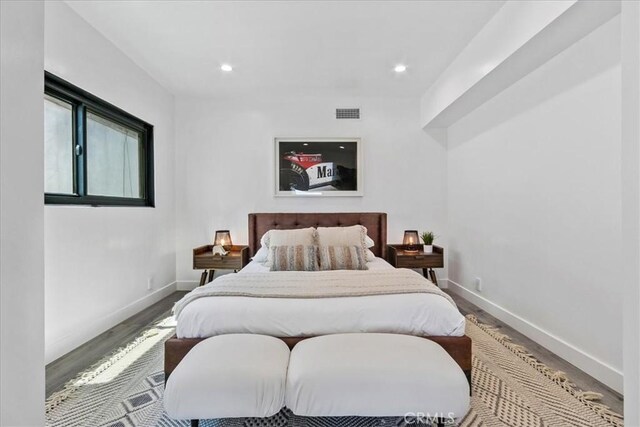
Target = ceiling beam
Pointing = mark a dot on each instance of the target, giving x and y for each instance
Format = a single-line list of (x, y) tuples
[(520, 37)]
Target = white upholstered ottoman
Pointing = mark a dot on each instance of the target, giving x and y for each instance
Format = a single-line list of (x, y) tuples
[(227, 376), (374, 375)]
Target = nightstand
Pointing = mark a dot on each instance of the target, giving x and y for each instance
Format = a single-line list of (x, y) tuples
[(400, 258), (203, 259)]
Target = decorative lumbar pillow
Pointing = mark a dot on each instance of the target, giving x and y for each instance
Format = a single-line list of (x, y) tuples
[(355, 235), (342, 258), (294, 258), (295, 237)]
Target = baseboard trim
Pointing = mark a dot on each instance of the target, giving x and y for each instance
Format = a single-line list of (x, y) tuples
[(63, 345), (598, 369), (186, 285)]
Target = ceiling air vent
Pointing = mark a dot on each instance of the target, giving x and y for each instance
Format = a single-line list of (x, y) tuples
[(348, 113)]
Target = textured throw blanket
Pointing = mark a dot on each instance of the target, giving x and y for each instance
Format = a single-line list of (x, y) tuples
[(314, 284)]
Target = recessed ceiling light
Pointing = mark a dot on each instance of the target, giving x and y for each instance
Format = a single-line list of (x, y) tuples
[(305, 144), (400, 68), (226, 67), (342, 147)]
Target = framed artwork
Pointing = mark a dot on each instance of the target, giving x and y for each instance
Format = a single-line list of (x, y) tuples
[(318, 167)]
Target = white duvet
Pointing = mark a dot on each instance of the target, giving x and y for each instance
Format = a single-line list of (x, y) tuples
[(414, 314)]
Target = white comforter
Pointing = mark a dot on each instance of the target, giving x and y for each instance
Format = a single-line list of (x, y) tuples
[(415, 314)]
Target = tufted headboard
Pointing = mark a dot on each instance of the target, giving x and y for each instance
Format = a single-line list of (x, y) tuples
[(376, 223)]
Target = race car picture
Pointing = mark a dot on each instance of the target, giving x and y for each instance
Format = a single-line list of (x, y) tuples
[(319, 167)]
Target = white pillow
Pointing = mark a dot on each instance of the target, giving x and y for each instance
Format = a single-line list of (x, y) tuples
[(300, 236), (262, 255), (264, 240), (266, 237), (370, 255), (355, 235), (368, 241)]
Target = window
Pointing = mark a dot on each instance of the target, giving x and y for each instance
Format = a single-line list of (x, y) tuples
[(95, 153)]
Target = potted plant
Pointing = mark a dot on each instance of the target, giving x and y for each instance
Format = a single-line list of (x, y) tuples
[(427, 238)]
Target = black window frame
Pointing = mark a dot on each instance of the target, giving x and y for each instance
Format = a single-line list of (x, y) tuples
[(83, 102)]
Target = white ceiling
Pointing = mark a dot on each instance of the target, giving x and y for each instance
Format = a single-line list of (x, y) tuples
[(290, 48)]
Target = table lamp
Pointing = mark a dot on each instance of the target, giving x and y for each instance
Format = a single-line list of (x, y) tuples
[(223, 238), (411, 241)]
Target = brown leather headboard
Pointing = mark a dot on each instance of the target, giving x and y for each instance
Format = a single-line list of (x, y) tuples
[(376, 223)]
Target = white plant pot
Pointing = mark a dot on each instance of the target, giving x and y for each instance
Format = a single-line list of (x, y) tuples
[(427, 249)]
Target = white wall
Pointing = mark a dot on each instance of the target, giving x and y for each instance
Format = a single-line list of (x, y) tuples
[(225, 165), (21, 214), (535, 205), (631, 208), (98, 260)]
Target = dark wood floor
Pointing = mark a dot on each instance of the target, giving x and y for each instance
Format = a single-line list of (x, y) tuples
[(68, 366)]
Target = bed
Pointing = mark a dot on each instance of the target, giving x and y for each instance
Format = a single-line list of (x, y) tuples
[(292, 319)]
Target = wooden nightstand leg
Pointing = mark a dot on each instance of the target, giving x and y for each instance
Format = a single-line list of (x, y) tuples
[(425, 272), (211, 273), (203, 277), (433, 276)]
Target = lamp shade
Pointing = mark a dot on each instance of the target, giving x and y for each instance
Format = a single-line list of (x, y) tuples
[(223, 238), (411, 241)]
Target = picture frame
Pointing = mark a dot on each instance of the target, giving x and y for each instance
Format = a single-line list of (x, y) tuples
[(318, 167)]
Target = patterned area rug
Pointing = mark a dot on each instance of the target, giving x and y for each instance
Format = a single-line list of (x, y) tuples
[(510, 388)]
